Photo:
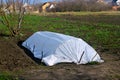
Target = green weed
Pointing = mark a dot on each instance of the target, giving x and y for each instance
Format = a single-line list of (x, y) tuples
[(93, 63), (5, 76)]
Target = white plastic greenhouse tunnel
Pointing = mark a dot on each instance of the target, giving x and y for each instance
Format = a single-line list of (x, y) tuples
[(53, 48)]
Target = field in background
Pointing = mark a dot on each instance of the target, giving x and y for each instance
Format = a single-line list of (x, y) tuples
[(83, 13), (100, 29)]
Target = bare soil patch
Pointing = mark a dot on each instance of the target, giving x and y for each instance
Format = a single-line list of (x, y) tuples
[(12, 57)]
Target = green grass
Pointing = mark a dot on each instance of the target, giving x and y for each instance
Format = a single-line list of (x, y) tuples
[(93, 63), (97, 28), (11, 75), (6, 76)]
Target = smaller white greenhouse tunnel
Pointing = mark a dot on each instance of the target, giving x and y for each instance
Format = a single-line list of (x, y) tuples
[(53, 48)]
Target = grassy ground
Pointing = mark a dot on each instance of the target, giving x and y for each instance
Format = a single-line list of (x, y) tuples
[(100, 29), (95, 28)]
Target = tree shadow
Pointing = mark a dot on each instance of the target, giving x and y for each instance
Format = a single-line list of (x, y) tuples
[(29, 53), (4, 35)]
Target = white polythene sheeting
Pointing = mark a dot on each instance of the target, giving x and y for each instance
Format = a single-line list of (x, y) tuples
[(118, 2), (53, 48)]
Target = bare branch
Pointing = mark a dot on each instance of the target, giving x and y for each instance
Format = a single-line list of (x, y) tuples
[(12, 20)]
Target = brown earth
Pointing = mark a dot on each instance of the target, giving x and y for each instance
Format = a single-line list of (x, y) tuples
[(13, 58)]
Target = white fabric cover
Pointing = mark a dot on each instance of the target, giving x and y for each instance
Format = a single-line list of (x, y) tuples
[(55, 48), (118, 2)]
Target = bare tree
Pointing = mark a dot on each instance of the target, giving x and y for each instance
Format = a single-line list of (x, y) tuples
[(12, 12)]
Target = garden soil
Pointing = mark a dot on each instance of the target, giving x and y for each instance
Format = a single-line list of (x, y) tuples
[(13, 58)]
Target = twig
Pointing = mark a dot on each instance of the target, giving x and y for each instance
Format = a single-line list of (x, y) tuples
[(20, 18)]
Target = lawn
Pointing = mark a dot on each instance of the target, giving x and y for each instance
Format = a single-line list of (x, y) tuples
[(98, 29)]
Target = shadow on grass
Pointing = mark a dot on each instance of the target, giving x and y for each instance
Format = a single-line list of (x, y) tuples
[(29, 53)]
